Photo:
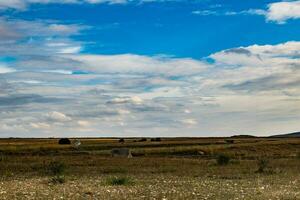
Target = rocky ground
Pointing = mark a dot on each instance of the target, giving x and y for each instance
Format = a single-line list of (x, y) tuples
[(161, 187)]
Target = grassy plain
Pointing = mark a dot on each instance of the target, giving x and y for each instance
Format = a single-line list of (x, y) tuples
[(174, 168)]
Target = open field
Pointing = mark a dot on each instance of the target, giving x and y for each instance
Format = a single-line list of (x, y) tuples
[(174, 168)]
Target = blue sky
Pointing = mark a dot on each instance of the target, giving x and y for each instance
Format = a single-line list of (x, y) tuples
[(173, 28), (149, 68)]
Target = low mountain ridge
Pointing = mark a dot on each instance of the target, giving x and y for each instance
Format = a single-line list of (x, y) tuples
[(295, 134)]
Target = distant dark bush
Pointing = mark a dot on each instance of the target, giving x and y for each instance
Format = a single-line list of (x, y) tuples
[(143, 140), (119, 181), (121, 140), (155, 139), (229, 141), (56, 168), (223, 159), (262, 165), (64, 141)]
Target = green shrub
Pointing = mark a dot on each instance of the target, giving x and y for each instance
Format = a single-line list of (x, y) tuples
[(56, 168), (223, 159), (119, 181)]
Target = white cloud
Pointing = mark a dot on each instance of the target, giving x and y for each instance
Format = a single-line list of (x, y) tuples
[(58, 116), (83, 123), (278, 12), (256, 61), (121, 100), (204, 12), (4, 69), (70, 50), (282, 11), (40, 125), (16, 4), (189, 121), (123, 112), (23, 4), (137, 64), (246, 89), (16, 28)]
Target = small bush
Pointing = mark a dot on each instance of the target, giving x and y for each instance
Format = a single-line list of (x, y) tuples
[(143, 140), (119, 181), (64, 141), (229, 141), (121, 140), (155, 139), (223, 159), (56, 168), (262, 165), (58, 179)]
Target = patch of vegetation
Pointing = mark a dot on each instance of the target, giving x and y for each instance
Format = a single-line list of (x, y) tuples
[(115, 181), (155, 139), (229, 141), (57, 168), (262, 165), (60, 179), (122, 140), (114, 170), (64, 141), (223, 159), (143, 140)]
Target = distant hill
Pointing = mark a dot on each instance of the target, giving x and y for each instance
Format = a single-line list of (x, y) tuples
[(243, 136), (295, 134)]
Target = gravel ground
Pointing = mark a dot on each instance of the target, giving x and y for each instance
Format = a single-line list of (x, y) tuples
[(156, 186)]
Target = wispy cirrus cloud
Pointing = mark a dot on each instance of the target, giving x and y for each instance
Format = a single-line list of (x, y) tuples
[(23, 4), (278, 12)]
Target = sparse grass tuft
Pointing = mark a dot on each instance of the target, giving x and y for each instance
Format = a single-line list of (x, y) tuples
[(262, 165), (57, 168), (119, 181), (223, 159), (59, 179)]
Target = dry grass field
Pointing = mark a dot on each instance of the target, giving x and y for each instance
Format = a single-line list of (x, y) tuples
[(173, 168)]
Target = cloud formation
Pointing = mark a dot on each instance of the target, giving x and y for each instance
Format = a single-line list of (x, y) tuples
[(56, 89), (157, 96), (280, 12)]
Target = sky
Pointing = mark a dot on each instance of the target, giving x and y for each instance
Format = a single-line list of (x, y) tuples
[(151, 68)]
